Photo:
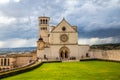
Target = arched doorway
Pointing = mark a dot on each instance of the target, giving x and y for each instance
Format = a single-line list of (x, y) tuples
[(64, 53)]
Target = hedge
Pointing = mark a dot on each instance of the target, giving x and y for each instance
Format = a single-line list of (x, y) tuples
[(19, 71), (96, 59)]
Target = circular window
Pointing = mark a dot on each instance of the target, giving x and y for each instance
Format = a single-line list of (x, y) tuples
[(63, 28), (63, 37)]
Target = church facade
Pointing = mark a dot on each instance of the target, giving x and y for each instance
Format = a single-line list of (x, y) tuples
[(59, 42)]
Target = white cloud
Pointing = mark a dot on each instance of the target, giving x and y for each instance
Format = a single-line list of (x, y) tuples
[(4, 1), (7, 1), (69, 7), (7, 20), (24, 19), (1, 44), (11, 43), (57, 1), (96, 40), (17, 0), (71, 3)]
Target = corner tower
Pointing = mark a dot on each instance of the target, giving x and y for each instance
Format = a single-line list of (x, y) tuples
[(44, 28)]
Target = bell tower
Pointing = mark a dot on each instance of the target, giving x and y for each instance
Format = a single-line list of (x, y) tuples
[(44, 28)]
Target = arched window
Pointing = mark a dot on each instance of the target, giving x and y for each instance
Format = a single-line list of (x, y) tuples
[(46, 21), (43, 21), (43, 28)]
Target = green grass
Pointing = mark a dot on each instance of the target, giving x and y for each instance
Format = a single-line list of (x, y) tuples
[(86, 70)]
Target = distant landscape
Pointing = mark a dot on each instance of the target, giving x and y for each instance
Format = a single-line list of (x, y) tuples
[(21, 49), (110, 46), (28, 49)]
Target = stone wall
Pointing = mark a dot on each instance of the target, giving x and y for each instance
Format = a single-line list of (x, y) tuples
[(16, 60), (105, 54), (23, 60), (83, 50)]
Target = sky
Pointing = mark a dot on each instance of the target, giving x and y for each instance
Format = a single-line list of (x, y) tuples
[(98, 21)]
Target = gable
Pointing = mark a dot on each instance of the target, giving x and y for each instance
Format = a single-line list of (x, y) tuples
[(66, 25)]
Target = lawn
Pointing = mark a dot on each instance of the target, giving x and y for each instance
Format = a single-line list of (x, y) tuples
[(86, 70)]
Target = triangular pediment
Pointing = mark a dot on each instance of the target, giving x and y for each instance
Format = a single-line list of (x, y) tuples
[(66, 25)]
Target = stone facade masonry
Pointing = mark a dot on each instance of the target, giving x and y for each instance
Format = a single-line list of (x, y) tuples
[(105, 54)]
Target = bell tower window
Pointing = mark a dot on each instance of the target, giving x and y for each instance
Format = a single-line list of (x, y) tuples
[(46, 21), (43, 21), (40, 21)]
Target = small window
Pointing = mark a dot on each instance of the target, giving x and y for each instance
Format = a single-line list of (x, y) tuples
[(63, 28), (43, 28), (46, 21), (40, 21), (43, 21)]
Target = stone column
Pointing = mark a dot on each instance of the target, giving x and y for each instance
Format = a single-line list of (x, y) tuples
[(1, 62)]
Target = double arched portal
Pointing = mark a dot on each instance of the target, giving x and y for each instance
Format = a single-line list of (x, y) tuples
[(64, 53)]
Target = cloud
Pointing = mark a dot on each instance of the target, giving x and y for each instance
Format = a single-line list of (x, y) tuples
[(114, 32), (4, 1), (23, 27), (7, 20), (7, 1), (12, 43), (95, 14), (17, 0), (94, 18), (100, 15)]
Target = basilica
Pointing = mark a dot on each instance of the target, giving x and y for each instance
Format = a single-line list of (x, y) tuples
[(56, 43), (59, 42)]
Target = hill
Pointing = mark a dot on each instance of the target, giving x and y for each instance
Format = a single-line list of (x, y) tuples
[(110, 46)]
